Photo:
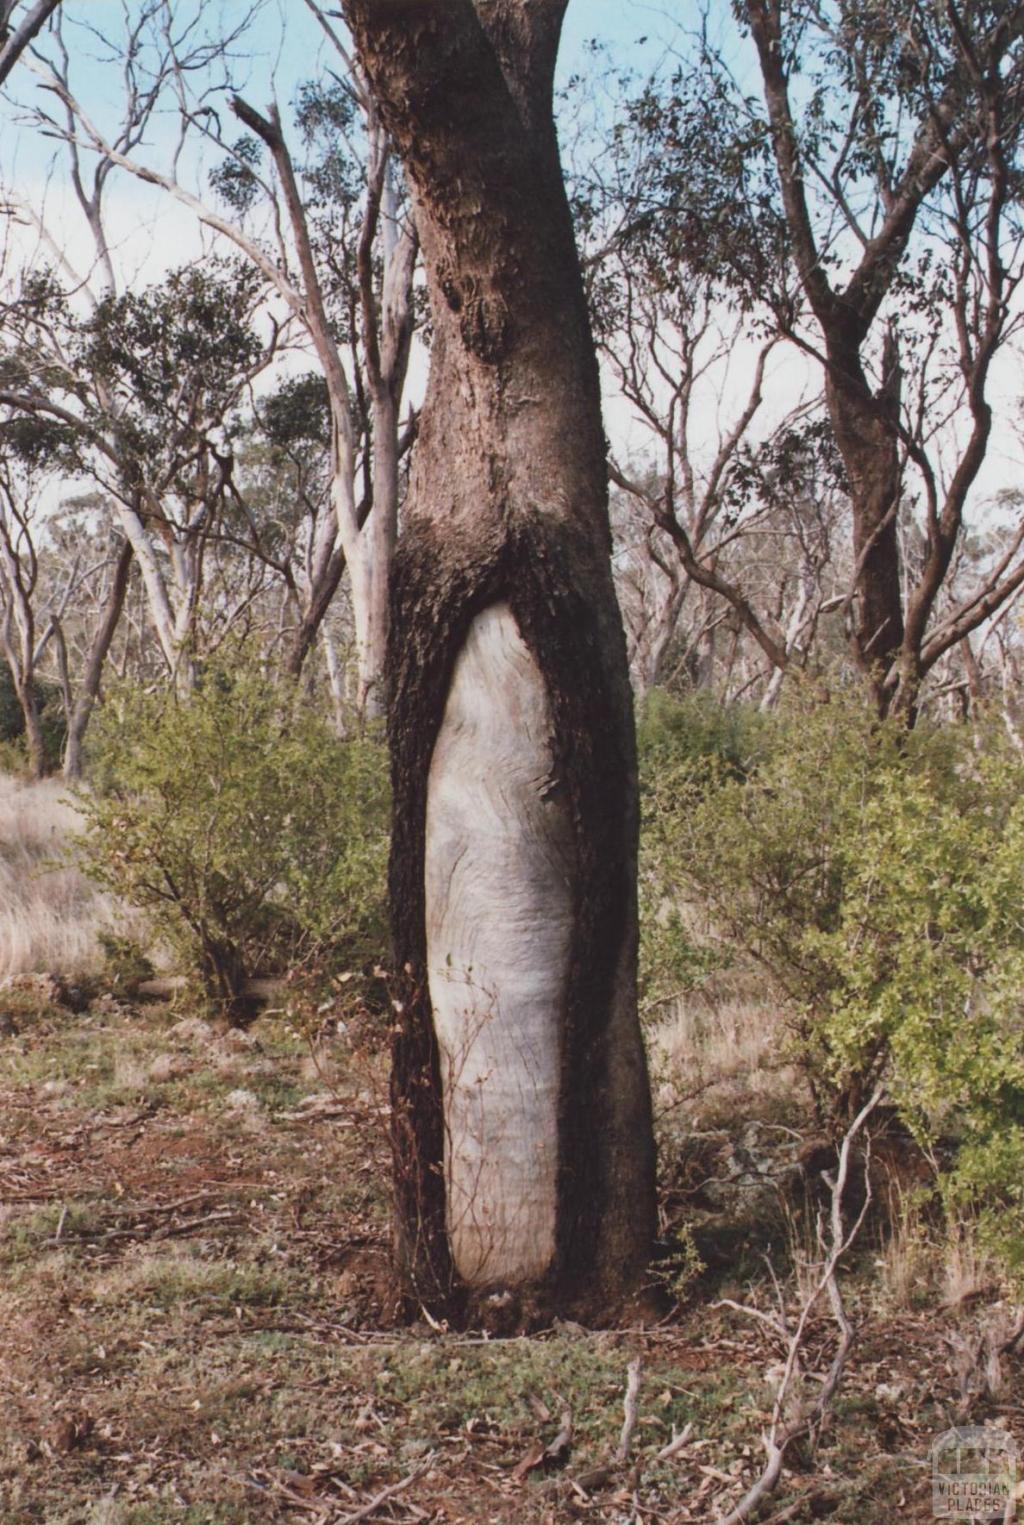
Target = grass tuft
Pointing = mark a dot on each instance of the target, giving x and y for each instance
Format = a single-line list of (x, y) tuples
[(50, 914)]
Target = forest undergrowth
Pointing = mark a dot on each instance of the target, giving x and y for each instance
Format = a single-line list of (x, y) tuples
[(198, 1321)]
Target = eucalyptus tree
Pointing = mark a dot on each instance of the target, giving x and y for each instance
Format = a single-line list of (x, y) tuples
[(869, 207), (315, 207), (19, 579), (145, 389), (693, 365), (137, 376), (521, 1108)]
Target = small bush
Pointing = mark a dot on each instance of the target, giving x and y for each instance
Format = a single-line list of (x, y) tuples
[(125, 965), (878, 876), (253, 837)]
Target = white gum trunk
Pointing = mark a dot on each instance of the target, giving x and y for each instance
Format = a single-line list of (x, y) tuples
[(368, 593), (499, 916)]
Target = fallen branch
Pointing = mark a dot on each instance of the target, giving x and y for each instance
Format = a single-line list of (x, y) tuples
[(599, 1475), (676, 1444), (781, 1435), (171, 984), (630, 1410), (540, 1454), (366, 1510)]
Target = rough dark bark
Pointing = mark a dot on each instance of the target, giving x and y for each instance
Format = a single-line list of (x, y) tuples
[(508, 504), (866, 427), (81, 714)]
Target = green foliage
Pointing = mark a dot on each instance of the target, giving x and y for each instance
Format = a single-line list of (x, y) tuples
[(679, 740), (12, 722), (682, 1267), (878, 875), (175, 355), (253, 836), (674, 732), (298, 412), (326, 116), (235, 179), (125, 964)]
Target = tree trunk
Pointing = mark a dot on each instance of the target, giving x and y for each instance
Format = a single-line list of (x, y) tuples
[(20, 664), (81, 713), (325, 585), (866, 430), (34, 739), (521, 1108), (371, 580)]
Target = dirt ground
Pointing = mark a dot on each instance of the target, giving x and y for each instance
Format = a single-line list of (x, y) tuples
[(194, 1324)]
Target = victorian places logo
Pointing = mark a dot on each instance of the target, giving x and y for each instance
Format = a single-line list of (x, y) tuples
[(974, 1474)]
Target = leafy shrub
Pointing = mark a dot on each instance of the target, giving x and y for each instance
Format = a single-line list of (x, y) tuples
[(125, 964), (697, 729), (680, 741), (251, 834), (878, 876)]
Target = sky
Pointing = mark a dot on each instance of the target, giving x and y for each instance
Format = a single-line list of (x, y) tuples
[(151, 233), (283, 47)]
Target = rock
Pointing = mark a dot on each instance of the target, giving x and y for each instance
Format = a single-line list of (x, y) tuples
[(192, 1030), (236, 1040), (754, 1169)]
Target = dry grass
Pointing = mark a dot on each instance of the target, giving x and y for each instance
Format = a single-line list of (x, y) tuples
[(908, 1258), (194, 1331), (722, 1056), (50, 914)]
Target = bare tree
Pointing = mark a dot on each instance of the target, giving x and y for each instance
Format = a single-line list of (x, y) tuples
[(16, 36)]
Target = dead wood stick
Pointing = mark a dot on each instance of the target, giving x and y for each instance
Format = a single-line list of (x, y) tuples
[(169, 1230), (780, 1435), (172, 1230), (144, 1209), (676, 1444), (629, 1406), (310, 1506), (390, 1492), (171, 984)]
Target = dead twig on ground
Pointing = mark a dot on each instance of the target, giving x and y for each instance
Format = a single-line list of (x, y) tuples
[(629, 1405), (676, 1444), (366, 1510), (782, 1433)]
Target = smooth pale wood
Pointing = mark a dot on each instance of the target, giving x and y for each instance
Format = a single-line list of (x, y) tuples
[(499, 916)]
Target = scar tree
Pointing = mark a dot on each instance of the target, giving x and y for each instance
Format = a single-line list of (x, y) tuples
[(522, 1123)]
